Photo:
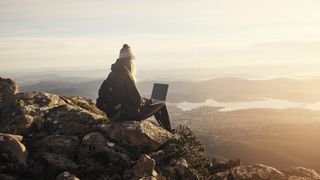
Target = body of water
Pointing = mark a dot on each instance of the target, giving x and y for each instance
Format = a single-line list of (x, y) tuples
[(263, 103)]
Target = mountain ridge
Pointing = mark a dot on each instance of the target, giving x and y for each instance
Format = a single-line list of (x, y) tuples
[(228, 89)]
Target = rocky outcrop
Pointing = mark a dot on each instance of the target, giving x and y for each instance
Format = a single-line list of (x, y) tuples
[(8, 89), (45, 136), (144, 168), (261, 171), (66, 176), (51, 114), (258, 171), (302, 172), (141, 137), (181, 170), (59, 144), (12, 150)]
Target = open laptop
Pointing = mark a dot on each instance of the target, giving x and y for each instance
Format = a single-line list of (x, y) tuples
[(159, 91)]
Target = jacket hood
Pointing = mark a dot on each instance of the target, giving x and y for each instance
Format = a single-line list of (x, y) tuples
[(117, 66)]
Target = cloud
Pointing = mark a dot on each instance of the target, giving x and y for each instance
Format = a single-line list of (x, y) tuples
[(280, 45), (283, 46), (189, 33)]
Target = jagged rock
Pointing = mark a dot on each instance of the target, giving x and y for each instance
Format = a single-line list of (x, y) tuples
[(14, 120), (17, 123), (62, 115), (8, 89), (107, 162), (99, 156), (66, 176), (86, 104), (296, 178), (14, 136), (36, 105), (302, 172), (148, 178), (138, 136), (219, 166), (258, 171), (181, 171), (95, 143), (144, 168), (51, 113), (37, 102), (182, 162), (92, 143), (159, 155), (59, 162), (60, 144), (12, 150), (54, 164), (68, 120), (7, 177)]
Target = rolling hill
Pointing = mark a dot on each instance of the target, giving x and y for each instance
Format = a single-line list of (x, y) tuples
[(221, 89)]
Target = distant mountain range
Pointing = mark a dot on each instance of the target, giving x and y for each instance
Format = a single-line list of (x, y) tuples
[(220, 89), (85, 89)]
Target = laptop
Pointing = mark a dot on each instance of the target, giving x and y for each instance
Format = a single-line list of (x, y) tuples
[(159, 91)]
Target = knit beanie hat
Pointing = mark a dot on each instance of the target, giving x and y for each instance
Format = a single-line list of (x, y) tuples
[(126, 52)]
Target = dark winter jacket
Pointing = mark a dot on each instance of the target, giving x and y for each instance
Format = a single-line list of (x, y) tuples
[(119, 94)]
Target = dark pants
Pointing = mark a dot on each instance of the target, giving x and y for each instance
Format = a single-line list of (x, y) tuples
[(158, 109)]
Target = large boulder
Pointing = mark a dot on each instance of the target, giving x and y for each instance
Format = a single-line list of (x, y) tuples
[(7, 177), (138, 136), (59, 161), (70, 119), (12, 118), (144, 168), (12, 150), (8, 90), (10, 112), (100, 157), (219, 166), (181, 170), (258, 171), (50, 114), (56, 163), (66, 176), (15, 121), (60, 144), (61, 115), (302, 172), (92, 143)]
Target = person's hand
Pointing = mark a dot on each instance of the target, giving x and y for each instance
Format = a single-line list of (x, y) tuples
[(149, 101), (146, 101)]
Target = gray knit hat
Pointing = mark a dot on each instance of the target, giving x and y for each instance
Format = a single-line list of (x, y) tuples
[(126, 52)]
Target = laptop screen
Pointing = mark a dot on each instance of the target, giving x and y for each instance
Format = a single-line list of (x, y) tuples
[(159, 91)]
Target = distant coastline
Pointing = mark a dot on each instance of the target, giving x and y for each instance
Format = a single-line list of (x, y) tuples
[(263, 103)]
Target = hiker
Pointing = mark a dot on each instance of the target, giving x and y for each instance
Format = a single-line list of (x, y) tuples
[(120, 99)]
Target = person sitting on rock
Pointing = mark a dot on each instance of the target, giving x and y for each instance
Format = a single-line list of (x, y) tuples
[(120, 99)]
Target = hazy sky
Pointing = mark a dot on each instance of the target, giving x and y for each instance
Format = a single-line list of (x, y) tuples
[(167, 33)]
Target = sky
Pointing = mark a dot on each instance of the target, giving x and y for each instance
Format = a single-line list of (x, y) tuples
[(53, 34)]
